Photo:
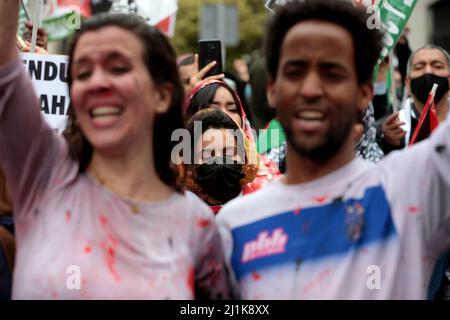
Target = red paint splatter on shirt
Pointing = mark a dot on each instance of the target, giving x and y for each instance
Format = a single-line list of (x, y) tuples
[(203, 223), (297, 211), (110, 235), (87, 249), (113, 239), (152, 283), (103, 220), (413, 210), (318, 280), (68, 215), (109, 245), (256, 276), (320, 199), (111, 262), (191, 279)]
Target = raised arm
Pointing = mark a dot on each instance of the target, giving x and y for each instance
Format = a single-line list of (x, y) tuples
[(31, 155), (9, 17)]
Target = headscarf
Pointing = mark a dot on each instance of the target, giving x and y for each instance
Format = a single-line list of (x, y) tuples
[(367, 147), (267, 171), (248, 168)]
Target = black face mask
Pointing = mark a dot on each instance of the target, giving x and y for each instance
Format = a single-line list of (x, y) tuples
[(220, 181), (422, 86)]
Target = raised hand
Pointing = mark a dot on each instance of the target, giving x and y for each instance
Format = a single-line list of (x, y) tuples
[(41, 40), (392, 130), (199, 77)]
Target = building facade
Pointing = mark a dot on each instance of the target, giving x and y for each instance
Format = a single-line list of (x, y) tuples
[(430, 23)]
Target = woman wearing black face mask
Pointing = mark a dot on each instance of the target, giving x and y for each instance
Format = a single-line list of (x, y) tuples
[(217, 94), (221, 164)]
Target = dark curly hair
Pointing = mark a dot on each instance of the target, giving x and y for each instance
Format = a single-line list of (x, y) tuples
[(367, 43), (160, 59)]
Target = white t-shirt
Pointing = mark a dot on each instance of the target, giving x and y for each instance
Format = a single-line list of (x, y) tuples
[(362, 232)]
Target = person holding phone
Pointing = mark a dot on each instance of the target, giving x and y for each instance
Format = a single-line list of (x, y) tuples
[(191, 76), (221, 163)]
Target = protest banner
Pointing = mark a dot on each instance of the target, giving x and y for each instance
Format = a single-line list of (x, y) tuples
[(49, 76)]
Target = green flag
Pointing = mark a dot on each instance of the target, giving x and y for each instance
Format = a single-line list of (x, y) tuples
[(62, 22), (61, 25), (393, 15), (271, 138)]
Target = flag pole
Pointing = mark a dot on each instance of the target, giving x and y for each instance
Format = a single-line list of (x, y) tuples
[(36, 22), (395, 106)]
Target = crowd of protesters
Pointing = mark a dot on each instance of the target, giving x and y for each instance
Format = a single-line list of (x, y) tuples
[(337, 183)]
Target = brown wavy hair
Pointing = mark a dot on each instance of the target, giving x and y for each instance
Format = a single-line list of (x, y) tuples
[(160, 60)]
